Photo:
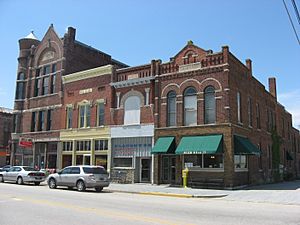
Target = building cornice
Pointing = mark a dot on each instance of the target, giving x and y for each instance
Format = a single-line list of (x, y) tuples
[(99, 71), (132, 82)]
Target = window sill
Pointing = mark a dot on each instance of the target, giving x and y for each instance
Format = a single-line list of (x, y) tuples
[(199, 169), (241, 170), (43, 96)]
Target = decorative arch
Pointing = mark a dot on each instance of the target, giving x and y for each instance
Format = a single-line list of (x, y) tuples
[(210, 82), (132, 93), (190, 82), (50, 46), (172, 86)]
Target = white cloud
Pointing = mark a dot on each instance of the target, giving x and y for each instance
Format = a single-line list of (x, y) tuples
[(291, 102)]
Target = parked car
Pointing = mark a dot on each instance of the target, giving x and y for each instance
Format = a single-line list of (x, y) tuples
[(81, 177), (22, 174), (5, 168)]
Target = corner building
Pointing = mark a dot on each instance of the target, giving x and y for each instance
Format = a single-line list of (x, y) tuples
[(39, 93), (213, 117)]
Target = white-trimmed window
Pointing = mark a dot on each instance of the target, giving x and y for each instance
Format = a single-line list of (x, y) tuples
[(240, 162), (83, 145), (67, 146), (101, 145), (84, 116), (132, 111), (209, 105), (171, 104), (69, 117), (100, 114), (190, 107)]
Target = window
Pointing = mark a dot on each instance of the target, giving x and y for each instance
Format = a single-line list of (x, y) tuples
[(53, 68), (69, 117), (101, 145), (171, 104), (239, 112), (36, 87), (33, 121), (209, 105), (260, 157), (84, 116), (41, 120), (49, 119), (250, 112), (100, 113), (258, 116), (122, 162), (83, 145), (37, 72), (66, 171), (46, 69), (67, 146), (240, 161), (132, 110), (204, 160), (52, 87), (20, 86), (45, 86), (270, 156), (190, 107), (75, 170)]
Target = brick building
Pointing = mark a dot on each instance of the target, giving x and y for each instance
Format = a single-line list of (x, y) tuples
[(39, 93), (6, 122), (213, 117)]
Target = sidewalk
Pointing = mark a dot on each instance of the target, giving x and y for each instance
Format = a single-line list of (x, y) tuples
[(166, 190)]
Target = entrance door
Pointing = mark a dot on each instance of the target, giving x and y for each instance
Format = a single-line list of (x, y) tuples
[(168, 169), (86, 159), (145, 170)]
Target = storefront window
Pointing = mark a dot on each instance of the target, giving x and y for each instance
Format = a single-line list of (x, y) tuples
[(83, 146), (240, 161), (101, 145), (101, 160), (122, 162), (204, 160), (67, 145)]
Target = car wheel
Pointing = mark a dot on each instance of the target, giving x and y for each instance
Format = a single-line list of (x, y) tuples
[(98, 189), (80, 185), (52, 183), (20, 180), (1, 179), (37, 183)]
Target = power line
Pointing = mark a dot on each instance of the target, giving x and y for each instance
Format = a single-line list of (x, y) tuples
[(296, 10), (291, 22)]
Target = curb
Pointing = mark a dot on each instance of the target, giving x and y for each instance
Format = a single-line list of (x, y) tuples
[(163, 194)]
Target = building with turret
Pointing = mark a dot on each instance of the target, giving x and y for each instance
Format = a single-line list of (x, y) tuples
[(39, 93)]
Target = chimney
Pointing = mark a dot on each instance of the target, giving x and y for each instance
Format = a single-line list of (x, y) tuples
[(71, 33), (272, 87), (249, 65), (225, 50)]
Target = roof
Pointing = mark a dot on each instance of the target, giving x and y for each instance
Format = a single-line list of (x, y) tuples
[(31, 36)]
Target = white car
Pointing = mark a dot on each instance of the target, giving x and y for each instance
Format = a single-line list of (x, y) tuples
[(22, 174)]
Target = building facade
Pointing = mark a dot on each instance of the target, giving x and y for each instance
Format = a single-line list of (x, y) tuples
[(39, 93), (6, 123)]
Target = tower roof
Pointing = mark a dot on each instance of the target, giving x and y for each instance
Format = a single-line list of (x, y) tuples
[(31, 36)]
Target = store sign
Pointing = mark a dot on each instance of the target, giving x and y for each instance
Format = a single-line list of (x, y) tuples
[(25, 142)]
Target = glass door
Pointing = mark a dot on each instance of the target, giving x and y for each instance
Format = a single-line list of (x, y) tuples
[(145, 170), (165, 169)]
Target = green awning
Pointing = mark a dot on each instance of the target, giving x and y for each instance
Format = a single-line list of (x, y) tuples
[(164, 145), (243, 146), (210, 144), (289, 157)]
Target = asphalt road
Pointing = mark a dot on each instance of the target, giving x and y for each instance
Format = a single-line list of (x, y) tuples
[(38, 205)]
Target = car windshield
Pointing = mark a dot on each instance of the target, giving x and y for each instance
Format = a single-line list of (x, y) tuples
[(27, 168), (94, 170)]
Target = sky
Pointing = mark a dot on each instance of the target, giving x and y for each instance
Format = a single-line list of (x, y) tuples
[(135, 32)]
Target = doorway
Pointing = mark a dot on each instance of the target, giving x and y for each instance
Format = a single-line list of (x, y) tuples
[(168, 169), (145, 170), (87, 159)]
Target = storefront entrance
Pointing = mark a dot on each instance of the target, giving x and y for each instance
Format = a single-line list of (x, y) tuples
[(168, 170), (145, 170)]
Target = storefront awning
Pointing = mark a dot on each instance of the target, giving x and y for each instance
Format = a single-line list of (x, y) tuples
[(164, 145), (210, 144), (243, 146), (289, 156)]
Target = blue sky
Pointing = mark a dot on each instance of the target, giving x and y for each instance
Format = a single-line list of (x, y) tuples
[(135, 32)]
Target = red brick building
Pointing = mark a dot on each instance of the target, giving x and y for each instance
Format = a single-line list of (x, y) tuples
[(6, 123), (213, 117), (39, 93)]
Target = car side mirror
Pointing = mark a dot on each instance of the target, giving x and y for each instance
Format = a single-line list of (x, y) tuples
[(59, 172)]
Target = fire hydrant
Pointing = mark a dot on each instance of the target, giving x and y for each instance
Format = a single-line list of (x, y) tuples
[(184, 177)]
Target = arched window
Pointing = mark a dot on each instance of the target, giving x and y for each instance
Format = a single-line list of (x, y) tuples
[(20, 86), (209, 105), (132, 112), (171, 104), (21, 76), (190, 107)]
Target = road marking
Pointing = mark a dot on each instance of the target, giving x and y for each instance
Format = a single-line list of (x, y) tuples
[(102, 212)]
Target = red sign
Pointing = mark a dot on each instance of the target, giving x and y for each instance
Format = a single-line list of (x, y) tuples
[(25, 142)]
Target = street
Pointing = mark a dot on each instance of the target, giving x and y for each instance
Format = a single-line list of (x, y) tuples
[(35, 205)]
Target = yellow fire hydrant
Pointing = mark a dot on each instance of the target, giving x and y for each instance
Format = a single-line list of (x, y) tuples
[(184, 177)]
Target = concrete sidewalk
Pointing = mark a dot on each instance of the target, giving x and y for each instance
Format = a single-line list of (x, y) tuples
[(166, 190)]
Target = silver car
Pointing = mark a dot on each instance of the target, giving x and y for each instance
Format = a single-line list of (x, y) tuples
[(81, 177), (22, 174)]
